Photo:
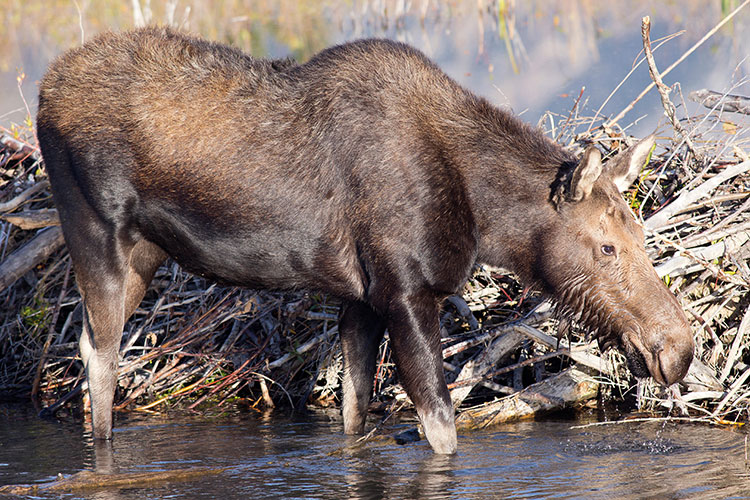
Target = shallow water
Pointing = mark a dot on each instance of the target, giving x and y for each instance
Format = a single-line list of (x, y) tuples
[(281, 457)]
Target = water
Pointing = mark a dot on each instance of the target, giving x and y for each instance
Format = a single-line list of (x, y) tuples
[(280, 457), (530, 57)]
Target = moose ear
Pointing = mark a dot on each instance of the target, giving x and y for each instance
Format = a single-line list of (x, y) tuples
[(585, 174), (624, 168)]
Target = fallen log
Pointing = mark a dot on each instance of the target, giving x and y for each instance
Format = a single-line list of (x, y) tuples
[(498, 349), (28, 256), (563, 390)]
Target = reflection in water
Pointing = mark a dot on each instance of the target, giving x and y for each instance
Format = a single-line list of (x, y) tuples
[(279, 457), (371, 475)]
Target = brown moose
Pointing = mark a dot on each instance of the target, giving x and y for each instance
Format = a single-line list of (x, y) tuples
[(366, 173)]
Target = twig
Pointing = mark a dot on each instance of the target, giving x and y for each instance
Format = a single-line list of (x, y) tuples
[(692, 259), (702, 420), (577, 354), (686, 198), (509, 368), (663, 89), (729, 102), (570, 114), (734, 351), (14, 203), (661, 41), (50, 334), (305, 347), (692, 49), (533, 318), (732, 391)]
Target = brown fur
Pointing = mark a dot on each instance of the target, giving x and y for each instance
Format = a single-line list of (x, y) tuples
[(365, 172)]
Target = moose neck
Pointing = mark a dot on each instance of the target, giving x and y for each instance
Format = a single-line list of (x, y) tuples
[(509, 170)]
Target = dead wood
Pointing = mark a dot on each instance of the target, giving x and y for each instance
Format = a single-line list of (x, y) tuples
[(32, 253), (727, 102), (662, 88), (559, 391), (13, 203), (33, 219), (22, 149), (474, 370)]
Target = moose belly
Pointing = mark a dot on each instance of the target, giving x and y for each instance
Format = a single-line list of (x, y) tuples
[(284, 255)]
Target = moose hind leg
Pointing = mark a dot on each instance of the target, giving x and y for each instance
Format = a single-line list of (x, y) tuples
[(110, 296), (415, 337), (361, 330), (103, 321)]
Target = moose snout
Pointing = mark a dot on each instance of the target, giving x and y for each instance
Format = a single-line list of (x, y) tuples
[(665, 355), (672, 362)]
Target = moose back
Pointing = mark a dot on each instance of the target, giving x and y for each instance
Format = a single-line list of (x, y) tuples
[(366, 173)]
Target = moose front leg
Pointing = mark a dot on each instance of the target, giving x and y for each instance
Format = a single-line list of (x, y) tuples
[(361, 330), (415, 337)]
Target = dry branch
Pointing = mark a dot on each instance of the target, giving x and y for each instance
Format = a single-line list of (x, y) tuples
[(579, 354), (489, 358), (16, 202), (33, 219), (610, 123), (21, 148), (728, 102), (32, 253), (687, 198), (661, 87), (564, 389)]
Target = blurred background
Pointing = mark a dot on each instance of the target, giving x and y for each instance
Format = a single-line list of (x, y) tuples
[(530, 56)]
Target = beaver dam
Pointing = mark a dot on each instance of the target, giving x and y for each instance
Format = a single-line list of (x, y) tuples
[(194, 345)]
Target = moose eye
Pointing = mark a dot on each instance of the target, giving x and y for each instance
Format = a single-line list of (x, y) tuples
[(608, 250)]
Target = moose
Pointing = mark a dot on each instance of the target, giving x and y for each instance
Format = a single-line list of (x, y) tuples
[(366, 173)]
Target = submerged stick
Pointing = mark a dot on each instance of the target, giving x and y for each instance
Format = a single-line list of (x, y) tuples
[(88, 480)]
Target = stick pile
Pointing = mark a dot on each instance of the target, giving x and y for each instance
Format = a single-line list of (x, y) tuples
[(197, 345)]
